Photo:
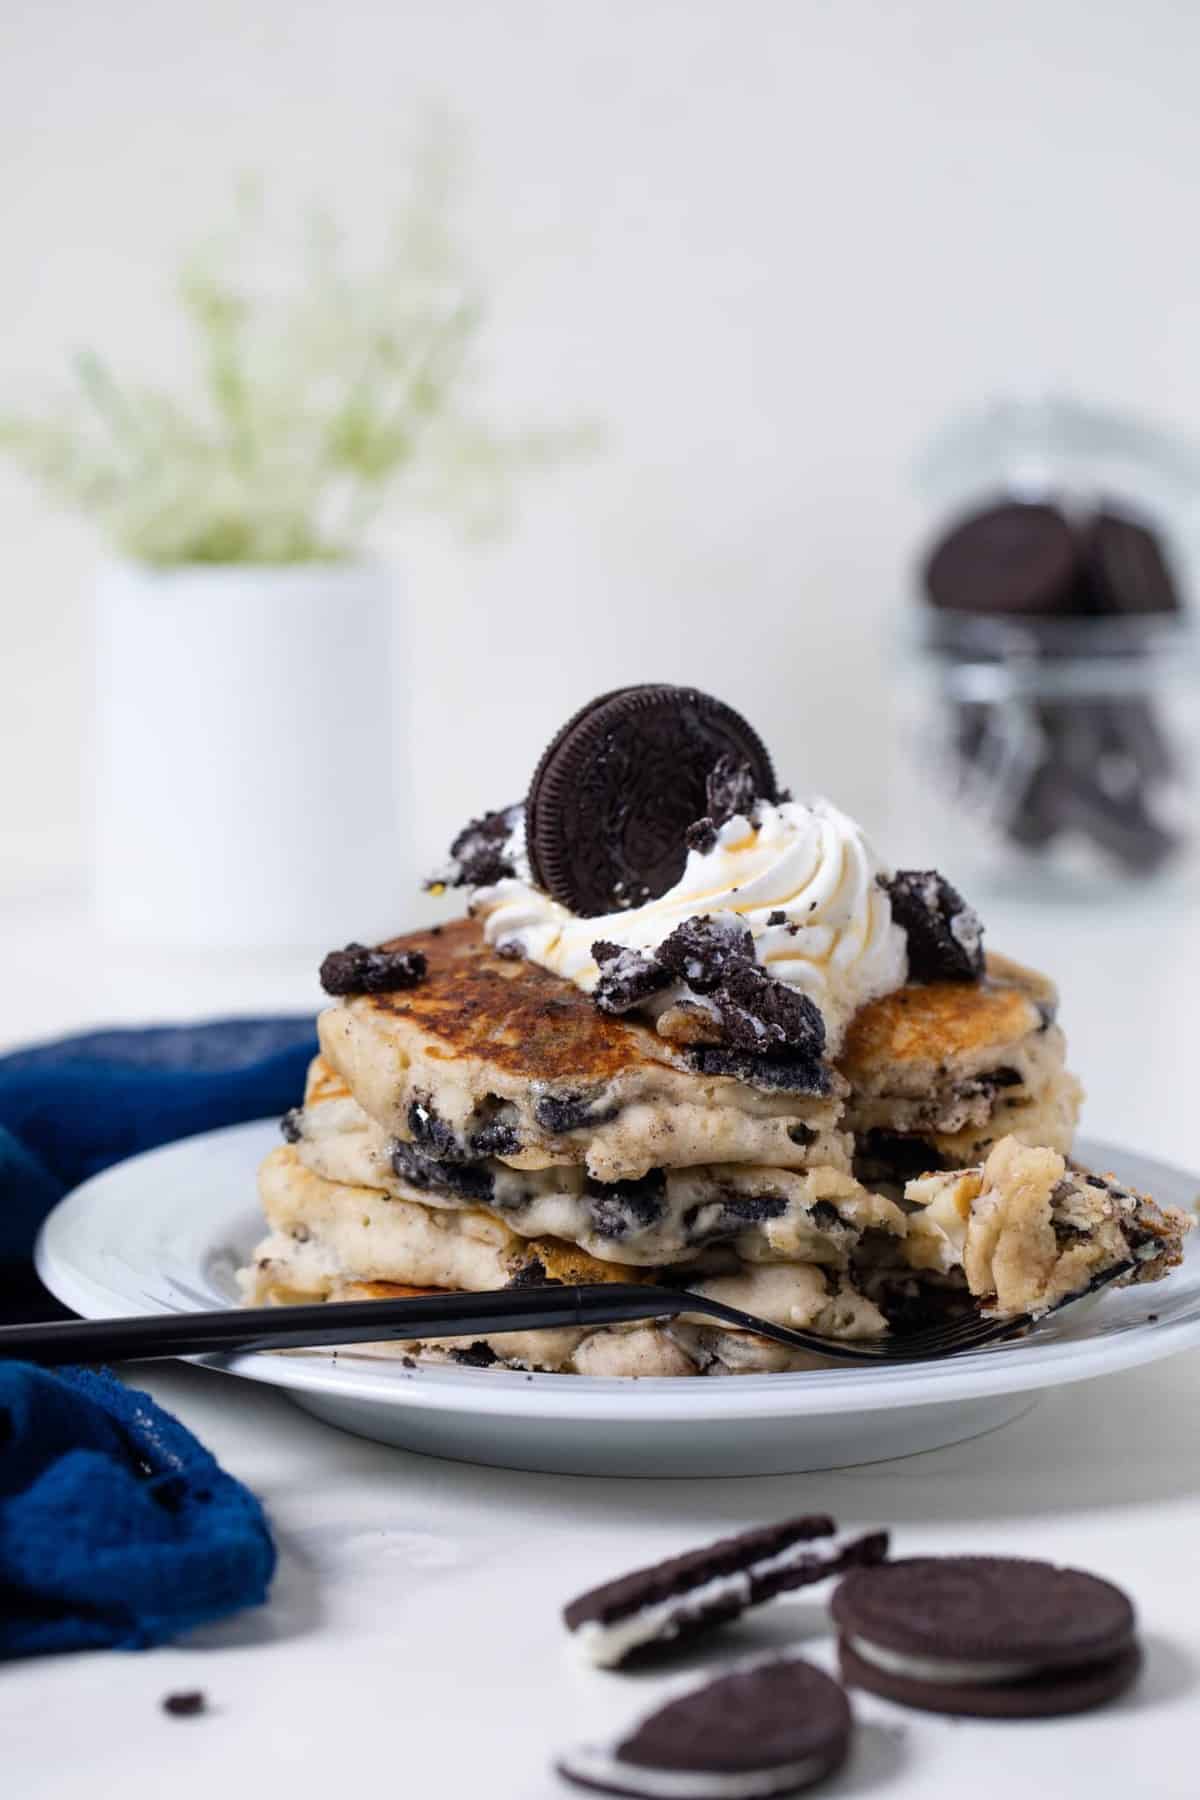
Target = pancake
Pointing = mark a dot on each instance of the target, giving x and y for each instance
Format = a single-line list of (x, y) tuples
[(818, 1214), (491, 1056), (329, 1241), (1029, 1230), (939, 1073)]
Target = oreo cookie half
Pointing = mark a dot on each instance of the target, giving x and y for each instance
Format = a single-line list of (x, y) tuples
[(613, 796), (768, 1730), (986, 1636), (689, 1595), (1017, 558)]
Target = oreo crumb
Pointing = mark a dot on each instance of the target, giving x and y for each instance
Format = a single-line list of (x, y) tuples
[(408, 1362), (360, 970), (557, 1113), (289, 1125), (510, 950), (627, 977), (777, 917), (803, 1135), (774, 1074), (475, 1356), (478, 855), (188, 1704), (703, 950), (731, 791), (945, 937), (701, 835), (531, 1276)]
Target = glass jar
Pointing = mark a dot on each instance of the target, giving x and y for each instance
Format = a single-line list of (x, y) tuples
[(1054, 751)]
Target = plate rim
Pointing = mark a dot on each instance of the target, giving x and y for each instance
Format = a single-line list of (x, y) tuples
[(1017, 1368)]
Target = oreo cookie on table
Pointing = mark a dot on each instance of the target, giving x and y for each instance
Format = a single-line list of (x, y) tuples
[(613, 796), (986, 1636), (688, 1595), (771, 1729)]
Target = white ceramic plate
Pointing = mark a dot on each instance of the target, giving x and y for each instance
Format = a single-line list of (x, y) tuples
[(164, 1232)]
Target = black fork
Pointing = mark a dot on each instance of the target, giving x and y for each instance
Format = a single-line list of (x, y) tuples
[(325, 1323)]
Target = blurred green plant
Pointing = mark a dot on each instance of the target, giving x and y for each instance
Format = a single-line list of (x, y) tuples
[(321, 392)]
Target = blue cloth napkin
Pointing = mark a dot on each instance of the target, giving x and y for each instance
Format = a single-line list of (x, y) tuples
[(117, 1528), (69, 1109)]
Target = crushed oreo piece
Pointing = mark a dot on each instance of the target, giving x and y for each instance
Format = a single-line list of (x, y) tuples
[(290, 1125), (188, 1704), (532, 1275), (479, 855), (797, 1074), (467, 1181), (945, 937), (803, 1135), (623, 1209), (627, 977), (360, 970), (732, 790), (730, 1213), (703, 950), (557, 1113), (433, 1134), (701, 835), (496, 1137), (765, 1016), (778, 917), (476, 1356)]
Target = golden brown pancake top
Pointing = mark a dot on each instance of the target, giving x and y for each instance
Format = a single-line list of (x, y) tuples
[(519, 1017), (937, 1023)]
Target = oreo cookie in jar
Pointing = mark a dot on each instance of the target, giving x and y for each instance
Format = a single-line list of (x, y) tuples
[(1051, 711)]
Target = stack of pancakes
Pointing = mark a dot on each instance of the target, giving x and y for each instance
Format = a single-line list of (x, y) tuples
[(491, 1126)]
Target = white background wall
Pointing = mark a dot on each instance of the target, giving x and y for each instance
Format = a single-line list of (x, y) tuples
[(772, 243)]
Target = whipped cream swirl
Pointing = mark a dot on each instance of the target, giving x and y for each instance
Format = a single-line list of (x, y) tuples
[(802, 877)]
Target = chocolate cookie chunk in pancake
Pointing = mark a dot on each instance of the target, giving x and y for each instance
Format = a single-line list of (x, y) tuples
[(614, 794), (691, 1594), (1016, 558), (769, 1729), (991, 1637)]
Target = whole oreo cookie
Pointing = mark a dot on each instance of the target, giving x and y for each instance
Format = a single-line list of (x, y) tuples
[(1126, 569), (1017, 558), (986, 1636), (613, 796), (767, 1730)]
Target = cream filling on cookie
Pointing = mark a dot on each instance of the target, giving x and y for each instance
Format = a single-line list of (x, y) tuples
[(808, 868), (605, 1645), (948, 1670), (603, 1769)]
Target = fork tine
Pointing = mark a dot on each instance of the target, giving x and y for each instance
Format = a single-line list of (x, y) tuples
[(957, 1337), (980, 1331)]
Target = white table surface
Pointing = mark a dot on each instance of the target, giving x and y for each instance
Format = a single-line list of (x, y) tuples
[(412, 1642)]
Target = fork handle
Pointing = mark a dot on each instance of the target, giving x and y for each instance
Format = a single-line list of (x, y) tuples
[(335, 1322)]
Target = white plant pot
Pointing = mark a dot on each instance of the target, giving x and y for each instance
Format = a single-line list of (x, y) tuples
[(249, 755)]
